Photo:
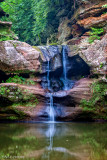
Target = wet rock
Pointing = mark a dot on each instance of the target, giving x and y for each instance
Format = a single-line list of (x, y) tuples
[(56, 85), (67, 102), (81, 90), (51, 54)]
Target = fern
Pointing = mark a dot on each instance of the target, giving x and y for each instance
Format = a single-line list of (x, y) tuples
[(95, 34)]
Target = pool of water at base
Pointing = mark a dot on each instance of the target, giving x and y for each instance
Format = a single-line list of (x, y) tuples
[(53, 141)]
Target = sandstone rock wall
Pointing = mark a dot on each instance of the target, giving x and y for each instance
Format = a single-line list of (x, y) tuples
[(90, 14), (95, 54)]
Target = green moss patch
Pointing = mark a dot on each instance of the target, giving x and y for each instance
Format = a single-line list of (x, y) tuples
[(98, 102)]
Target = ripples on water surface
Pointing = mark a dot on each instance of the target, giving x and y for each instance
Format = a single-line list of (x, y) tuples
[(59, 141)]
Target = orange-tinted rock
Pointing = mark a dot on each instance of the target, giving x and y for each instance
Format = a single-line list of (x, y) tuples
[(92, 10), (89, 14), (93, 22), (76, 30)]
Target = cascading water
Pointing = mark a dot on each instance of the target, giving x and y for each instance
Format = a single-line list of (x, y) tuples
[(48, 71), (51, 108), (64, 68), (55, 77)]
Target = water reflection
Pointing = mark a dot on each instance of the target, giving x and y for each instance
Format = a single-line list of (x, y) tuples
[(50, 134), (64, 141)]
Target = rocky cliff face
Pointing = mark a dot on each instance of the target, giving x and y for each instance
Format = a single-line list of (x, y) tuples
[(19, 57), (76, 31), (95, 54), (37, 63), (89, 14)]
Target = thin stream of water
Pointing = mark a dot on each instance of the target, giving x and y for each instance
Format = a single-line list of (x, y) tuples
[(48, 72), (51, 109), (64, 67)]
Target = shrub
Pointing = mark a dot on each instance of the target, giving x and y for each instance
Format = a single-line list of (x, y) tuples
[(16, 79), (95, 34), (20, 80)]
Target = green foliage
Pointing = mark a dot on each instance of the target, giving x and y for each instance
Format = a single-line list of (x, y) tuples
[(104, 6), (16, 79), (98, 100), (3, 90), (53, 44), (28, 17), (12, 118), (30, 82), (31, 104), (95, 34), (32, 19), (101, 65), (5, 38), (16, 94), (5, 34), (20, 80), (25, 97)]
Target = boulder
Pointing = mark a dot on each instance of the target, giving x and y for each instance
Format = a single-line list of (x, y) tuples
[(96, 55), (18, 56)]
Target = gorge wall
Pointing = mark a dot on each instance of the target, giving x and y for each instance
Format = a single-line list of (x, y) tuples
[(85, 63)]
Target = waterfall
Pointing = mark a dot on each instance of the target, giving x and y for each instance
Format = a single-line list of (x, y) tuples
[(48, 71), (51, 107), (64, 67)]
